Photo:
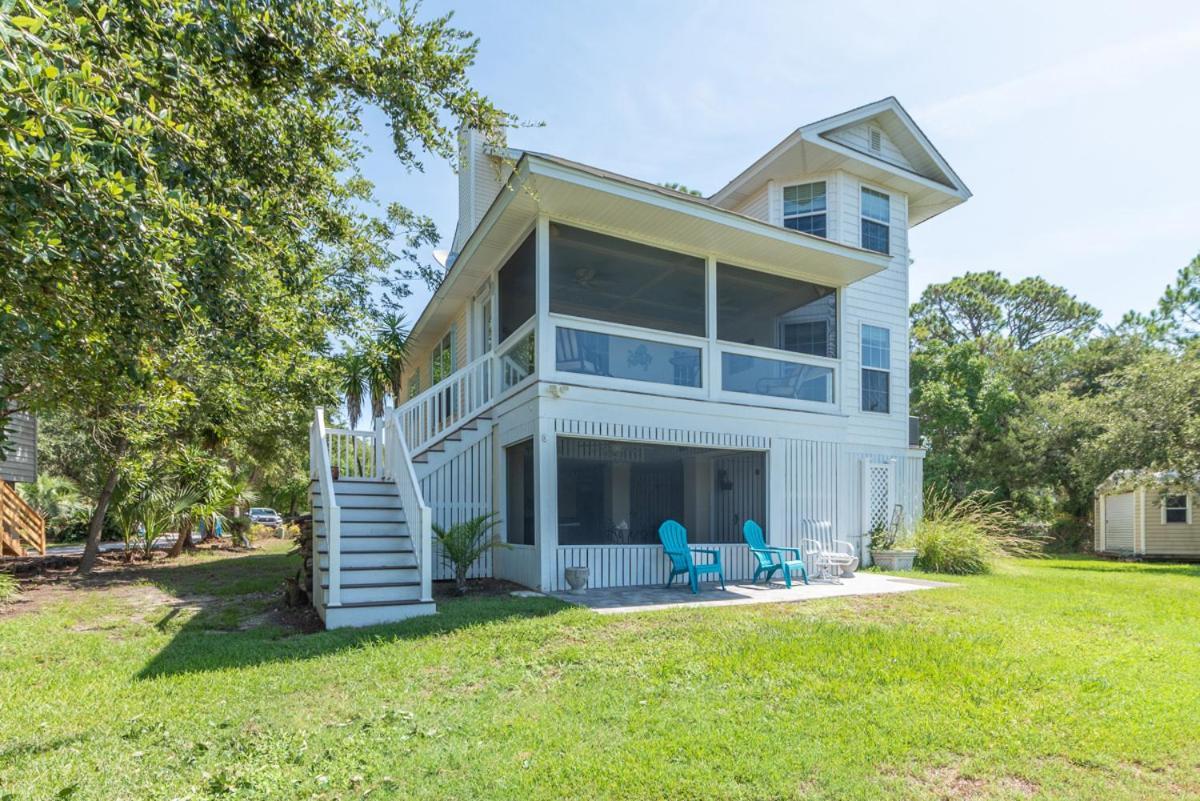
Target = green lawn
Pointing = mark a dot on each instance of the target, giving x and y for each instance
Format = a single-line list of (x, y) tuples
[(1055, 679)]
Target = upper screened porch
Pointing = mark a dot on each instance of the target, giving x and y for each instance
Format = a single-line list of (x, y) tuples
[(580, 278)]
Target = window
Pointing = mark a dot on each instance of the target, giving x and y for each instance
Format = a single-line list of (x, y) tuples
[(804, 208), (1175, 509), (604, 278), (441, 363), (771, 311), (414, 384), (776, 379), (483, 324), (612, 356), (520, 514), (876, 369), (876, 217), (517, 286), (517, 363), (619, 493)]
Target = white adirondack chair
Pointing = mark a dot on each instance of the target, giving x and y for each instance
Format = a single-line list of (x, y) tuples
[(831, 561)]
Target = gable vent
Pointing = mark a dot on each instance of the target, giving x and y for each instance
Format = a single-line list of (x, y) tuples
[(875, 138)]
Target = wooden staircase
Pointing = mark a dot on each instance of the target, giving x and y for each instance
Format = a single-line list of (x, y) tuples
[(21, 527)]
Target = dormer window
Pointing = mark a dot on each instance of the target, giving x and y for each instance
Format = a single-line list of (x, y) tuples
[(804, 208)]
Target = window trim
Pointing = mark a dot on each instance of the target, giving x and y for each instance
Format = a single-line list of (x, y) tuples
[(521, 440), (862, 326), (1187, 506), (862, 217), (784, 216)]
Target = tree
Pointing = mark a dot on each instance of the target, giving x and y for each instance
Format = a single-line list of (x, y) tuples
[(55, 498), (982, 306), (1178, 314), (183, 224), (678, 187)]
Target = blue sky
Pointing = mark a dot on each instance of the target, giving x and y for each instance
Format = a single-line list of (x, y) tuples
[(1075, 124)]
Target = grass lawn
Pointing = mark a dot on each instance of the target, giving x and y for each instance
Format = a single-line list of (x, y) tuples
[(1070, 678)]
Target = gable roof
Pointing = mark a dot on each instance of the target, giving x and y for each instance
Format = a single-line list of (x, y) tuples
[(920, 170)]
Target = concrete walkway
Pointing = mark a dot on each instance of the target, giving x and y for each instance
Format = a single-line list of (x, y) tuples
[(616, 600)]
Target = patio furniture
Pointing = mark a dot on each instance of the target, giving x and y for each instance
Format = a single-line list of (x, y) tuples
[(830, 561), (674, 542), (771, 559)]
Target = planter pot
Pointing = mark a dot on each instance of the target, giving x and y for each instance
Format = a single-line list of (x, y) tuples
[(894, 560), (577, 578), (334, 472)]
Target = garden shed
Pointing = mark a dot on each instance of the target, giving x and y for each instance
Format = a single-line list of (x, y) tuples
[(1148, 514)]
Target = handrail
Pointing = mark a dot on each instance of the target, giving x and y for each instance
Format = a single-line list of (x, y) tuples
[(21, 519), (352, 452), (419, 516), (319, 461), (455, 399)]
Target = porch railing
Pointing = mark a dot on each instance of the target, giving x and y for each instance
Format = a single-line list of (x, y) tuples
[(447, 404), (20, 524), (397, 464), (353, 453), (320, 463)]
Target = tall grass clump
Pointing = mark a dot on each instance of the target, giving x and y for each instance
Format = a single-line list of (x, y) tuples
[(8, 587), (965, 536)]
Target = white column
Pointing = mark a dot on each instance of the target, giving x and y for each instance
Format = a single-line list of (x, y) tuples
[(544, 329), (545, 478), (712, 366)]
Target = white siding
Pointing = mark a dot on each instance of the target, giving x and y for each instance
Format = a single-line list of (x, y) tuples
[(882, 300), (858, 138), (758, 205), (457, 491)]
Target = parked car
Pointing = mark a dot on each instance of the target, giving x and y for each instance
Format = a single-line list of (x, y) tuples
[(265, 515)]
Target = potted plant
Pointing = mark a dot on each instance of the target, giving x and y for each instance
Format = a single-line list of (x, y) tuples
[(890, 550)]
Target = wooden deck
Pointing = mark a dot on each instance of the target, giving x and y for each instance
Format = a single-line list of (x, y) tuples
[(21, 527)]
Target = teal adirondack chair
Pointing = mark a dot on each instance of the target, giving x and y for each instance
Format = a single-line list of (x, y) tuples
[(771, 558), (674, 541)]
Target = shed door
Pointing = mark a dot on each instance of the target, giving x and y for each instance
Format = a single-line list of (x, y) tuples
[(1118, 522)]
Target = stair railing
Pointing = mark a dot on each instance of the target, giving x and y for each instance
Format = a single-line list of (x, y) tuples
[(448, 404), (320, 465), (20, 521), (399, 466)]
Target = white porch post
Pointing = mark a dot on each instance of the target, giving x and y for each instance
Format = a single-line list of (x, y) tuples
[(712, 365), (545, 455)]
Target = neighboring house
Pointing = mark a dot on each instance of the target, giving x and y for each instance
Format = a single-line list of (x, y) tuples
[(18, 457), (605, 353), (1147, 514)]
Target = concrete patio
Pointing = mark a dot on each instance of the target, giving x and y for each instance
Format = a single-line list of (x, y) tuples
[(616, 600)]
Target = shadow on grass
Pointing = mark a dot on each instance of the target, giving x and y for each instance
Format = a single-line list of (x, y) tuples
[(1094, 564), (215, 638)]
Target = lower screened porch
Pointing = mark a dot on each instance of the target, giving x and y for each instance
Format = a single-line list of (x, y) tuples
[(577, 493)]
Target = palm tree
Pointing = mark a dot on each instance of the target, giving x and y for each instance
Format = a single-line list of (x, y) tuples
[(355, 382), (391, 338), (164, 507), (465, 542), (55, 498)]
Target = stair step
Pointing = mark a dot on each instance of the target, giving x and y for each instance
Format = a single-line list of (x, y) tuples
[(386, 592), (365, 529), (366, 561), (373, 613), (361, 515), (359, 576), (367, 584)]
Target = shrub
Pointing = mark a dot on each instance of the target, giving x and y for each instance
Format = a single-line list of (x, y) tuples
[(465, 542), (965, 535), (8, 587), (260, 531)]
